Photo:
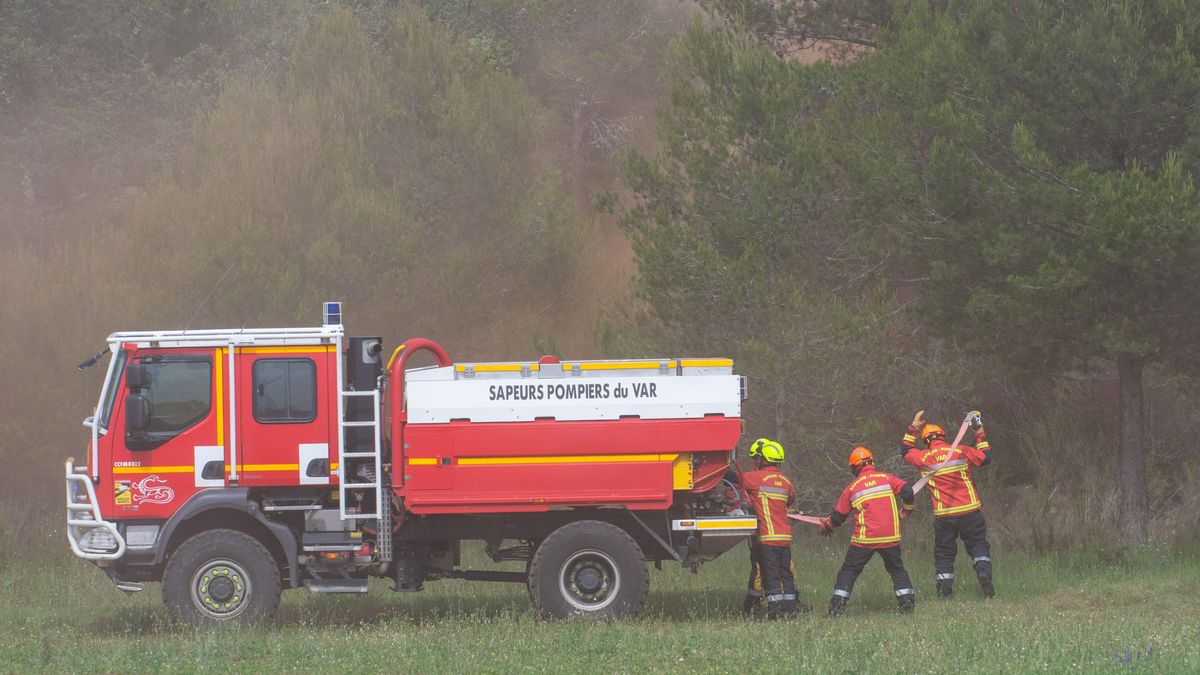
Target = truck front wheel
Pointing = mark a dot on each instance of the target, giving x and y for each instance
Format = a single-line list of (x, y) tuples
[(221, 575), (588, 569)]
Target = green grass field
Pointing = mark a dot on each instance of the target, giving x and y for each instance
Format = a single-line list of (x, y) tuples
[(1070, 612)]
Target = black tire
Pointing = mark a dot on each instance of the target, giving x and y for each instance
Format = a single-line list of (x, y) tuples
[(221, 576), (590, 570), (529, 585)]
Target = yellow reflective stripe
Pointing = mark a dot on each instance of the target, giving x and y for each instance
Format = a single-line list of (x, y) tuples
[(706, 363), (875, 540), (766, 509), (566, 459), (910, 438), (971, 489), (266, 467), (862, 522), (497, 367), (869, 497), (632, 365), (983, 445), (154, 469), (319, 349), (220, 388), (422, 461), (956, 509), (960, 468), (190, 468), (772, 495), (775, 537), (725, 524)]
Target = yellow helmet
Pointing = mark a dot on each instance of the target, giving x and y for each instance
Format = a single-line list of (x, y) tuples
[(769, 450)]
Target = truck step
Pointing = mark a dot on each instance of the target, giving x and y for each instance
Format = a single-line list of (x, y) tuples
[(336, 585), (358, 454), (331, 548), (366, 423), (129, 586)]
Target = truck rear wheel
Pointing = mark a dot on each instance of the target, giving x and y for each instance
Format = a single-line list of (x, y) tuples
[(219, 576), (588, 569)]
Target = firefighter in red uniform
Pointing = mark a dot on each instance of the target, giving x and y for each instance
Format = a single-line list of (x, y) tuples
[(957, 511), (770, 493), (872, 497)]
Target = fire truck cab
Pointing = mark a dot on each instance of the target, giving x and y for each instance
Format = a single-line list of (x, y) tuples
[(231, 464)]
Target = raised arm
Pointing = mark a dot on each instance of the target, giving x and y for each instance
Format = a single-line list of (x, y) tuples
[(981, 454), (909, 452)]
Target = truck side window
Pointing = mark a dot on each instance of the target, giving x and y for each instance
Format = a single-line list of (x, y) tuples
[(110, 393), (180, 394), (285, 390)]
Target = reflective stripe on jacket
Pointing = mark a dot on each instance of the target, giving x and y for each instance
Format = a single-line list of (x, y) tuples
[(952, 488), (770, 493), (872, 498)]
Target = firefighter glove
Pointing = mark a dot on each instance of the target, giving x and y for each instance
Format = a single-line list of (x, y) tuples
[(826, 526), (919, 418)]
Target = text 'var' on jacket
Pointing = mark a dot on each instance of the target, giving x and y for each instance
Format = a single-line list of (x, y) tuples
[(871, 497), (952, 488)]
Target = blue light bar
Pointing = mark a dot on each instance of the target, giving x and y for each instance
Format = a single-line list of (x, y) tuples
[(333, 313)]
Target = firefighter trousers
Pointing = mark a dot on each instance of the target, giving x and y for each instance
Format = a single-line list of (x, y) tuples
[(972, 529), (754, 586), (856, 561), (778, 583)]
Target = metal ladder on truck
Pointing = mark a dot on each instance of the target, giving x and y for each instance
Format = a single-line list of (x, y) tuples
[(351, 482)]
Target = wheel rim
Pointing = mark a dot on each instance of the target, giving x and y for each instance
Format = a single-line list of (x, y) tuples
[(590, 580), (221, 589)]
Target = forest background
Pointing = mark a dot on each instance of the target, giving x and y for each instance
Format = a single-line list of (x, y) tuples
[(873, 207)]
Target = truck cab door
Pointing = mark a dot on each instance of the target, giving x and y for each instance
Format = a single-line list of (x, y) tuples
[(287, 407), (164, 437)]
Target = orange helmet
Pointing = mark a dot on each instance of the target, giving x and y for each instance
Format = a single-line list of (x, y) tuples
[(930, 430), (860, 456)]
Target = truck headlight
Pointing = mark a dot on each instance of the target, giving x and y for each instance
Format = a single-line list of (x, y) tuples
[(98, 540)]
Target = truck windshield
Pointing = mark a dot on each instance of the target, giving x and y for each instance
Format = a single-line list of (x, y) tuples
[(110, 389)]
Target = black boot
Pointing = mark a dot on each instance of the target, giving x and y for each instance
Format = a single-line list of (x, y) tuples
[(775, 609), (751, 603), (985, 585), (945, 588), (837, 605), (906, 602)]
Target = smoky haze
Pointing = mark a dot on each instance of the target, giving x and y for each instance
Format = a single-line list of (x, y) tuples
[(212, 165)]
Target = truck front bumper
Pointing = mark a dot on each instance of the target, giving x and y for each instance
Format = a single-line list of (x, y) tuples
[(90, 535)]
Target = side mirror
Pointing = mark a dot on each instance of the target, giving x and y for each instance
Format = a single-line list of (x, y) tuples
[(137, 413), (136, 376)]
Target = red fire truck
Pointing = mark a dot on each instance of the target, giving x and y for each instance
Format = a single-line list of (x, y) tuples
[(230, 464)]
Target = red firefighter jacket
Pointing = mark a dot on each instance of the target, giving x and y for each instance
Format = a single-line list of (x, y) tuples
[(770, 493), (872, 497), (952, 489)]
